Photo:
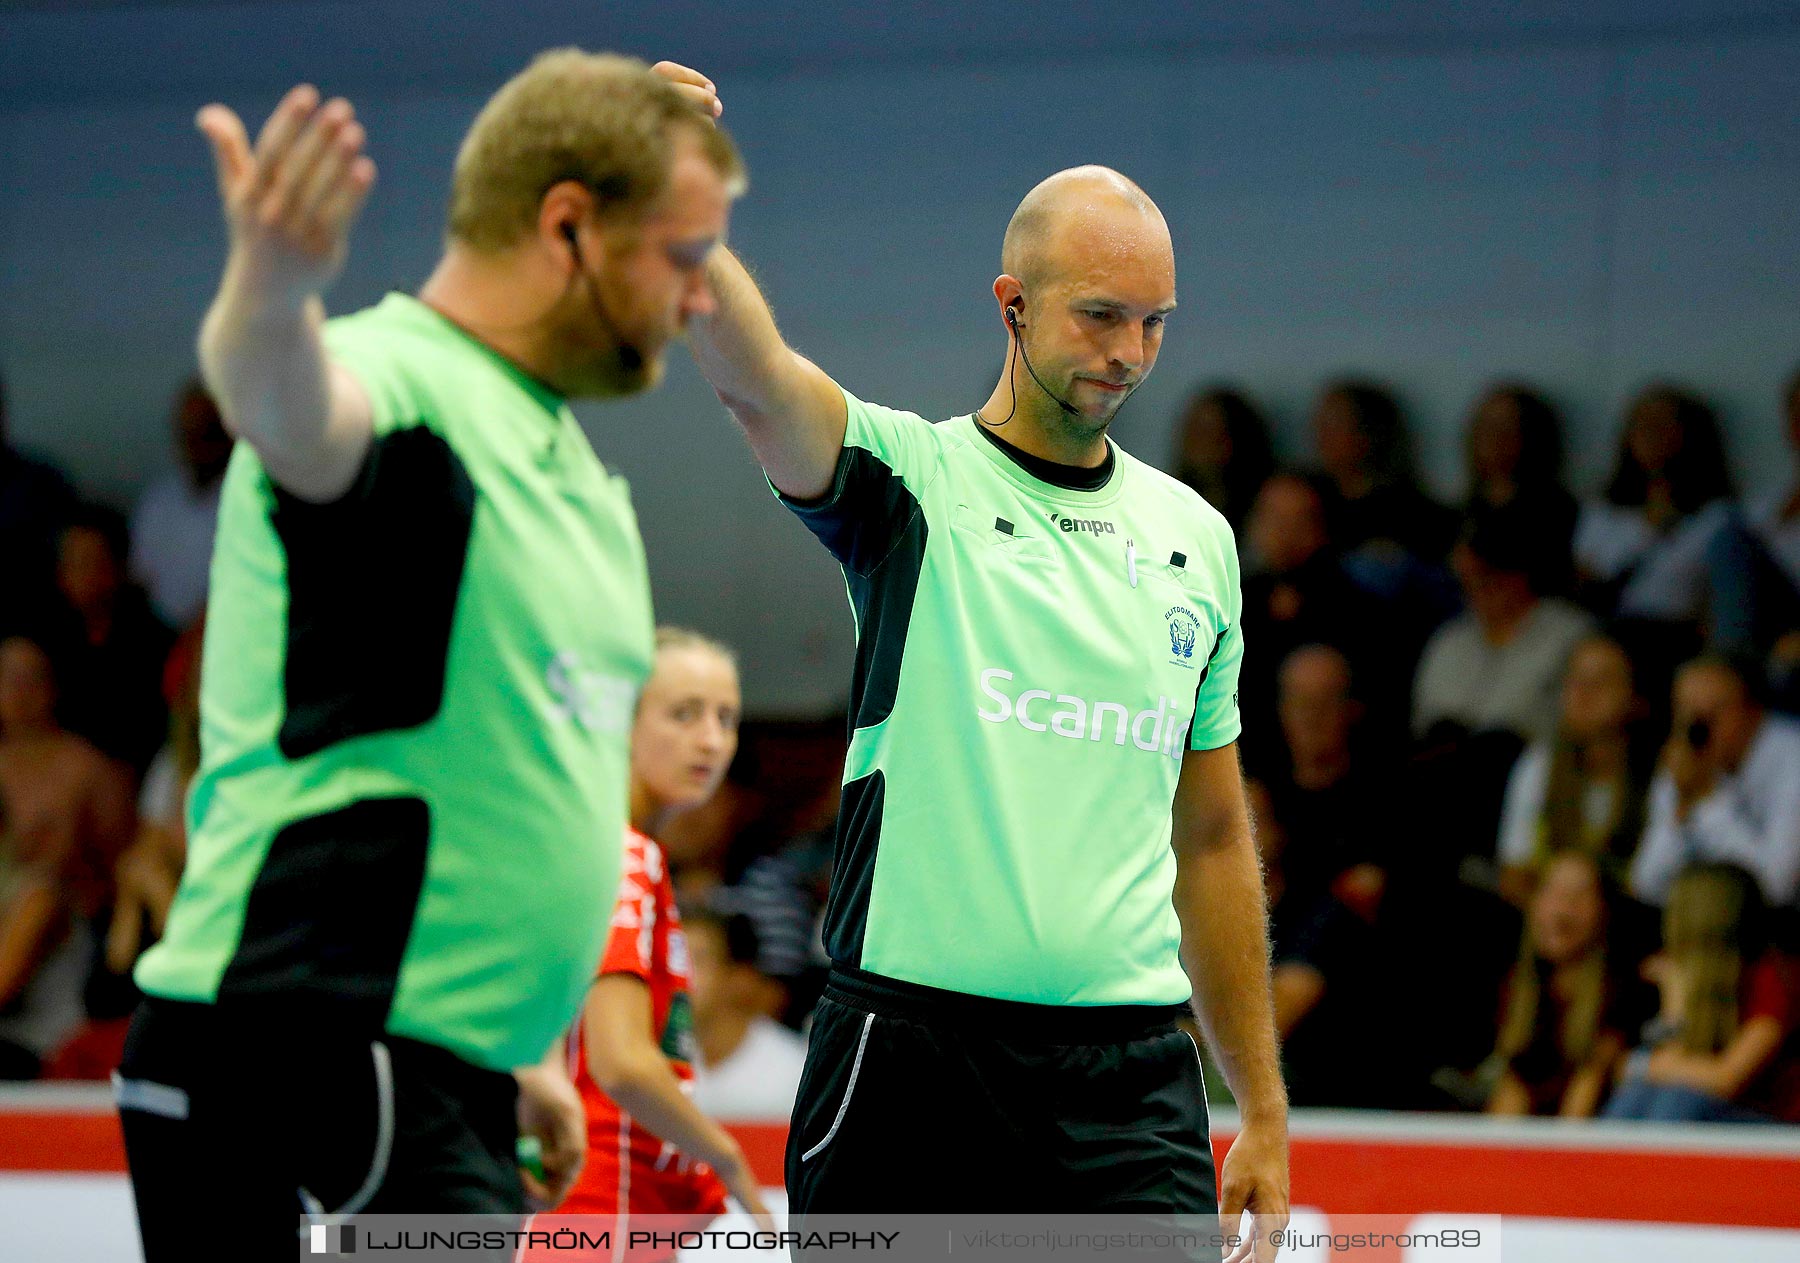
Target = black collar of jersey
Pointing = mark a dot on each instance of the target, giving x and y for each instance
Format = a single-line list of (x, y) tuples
[(1072, 477)]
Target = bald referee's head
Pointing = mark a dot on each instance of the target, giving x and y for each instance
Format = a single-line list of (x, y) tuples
[(1089, 275), (1073, 214)]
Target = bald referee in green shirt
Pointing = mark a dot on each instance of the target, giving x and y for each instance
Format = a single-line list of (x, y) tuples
[(429, 621), (1043, 817)]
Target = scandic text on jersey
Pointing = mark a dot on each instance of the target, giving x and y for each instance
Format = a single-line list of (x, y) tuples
[(1157, 731)]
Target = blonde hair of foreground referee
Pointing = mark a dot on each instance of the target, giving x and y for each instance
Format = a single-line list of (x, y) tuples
[(605, 121)]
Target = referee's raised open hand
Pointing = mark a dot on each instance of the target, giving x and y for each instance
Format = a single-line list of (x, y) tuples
[(290, 201)]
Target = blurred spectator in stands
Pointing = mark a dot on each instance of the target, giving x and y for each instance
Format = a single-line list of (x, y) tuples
[(1641, 550), (749, 1064), (805, 857), (1498, 666), (776, 895), (1331, 979), (1722, 1048), (1728, 788), (1333, 788), (109, 647), (736, 853), (1573, 1005), (768, 855), (63, 794), (1487, 685), (67, 819), (699, 842), (1754, 569), (1366, 455), (1583, 791), (172, 527), (1222, 450), (148, 873), (1296, 593), (145, 879), (35, 501), (1366, 894), (1390, 537), (41, 953), (1515, 455)]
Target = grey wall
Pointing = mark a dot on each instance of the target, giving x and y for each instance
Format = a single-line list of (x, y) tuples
[(1583, 194)]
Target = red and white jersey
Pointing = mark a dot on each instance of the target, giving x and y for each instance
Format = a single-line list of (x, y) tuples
[(628, 1168)]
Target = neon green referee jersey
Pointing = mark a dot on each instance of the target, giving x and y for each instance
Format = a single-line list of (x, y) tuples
[(415, 707), (1032, 662)]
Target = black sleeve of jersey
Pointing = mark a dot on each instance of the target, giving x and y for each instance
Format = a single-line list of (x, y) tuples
[(865, 513), (373, 579)]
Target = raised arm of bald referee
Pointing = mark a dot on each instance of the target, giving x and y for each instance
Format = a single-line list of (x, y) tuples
[(793, 413)]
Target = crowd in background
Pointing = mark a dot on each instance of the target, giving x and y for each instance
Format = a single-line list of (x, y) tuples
[(1530, 800), (1525, 776)]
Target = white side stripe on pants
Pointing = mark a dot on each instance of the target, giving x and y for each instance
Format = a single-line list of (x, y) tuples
[(855, 1070), (384, 1144), (150, 1098)]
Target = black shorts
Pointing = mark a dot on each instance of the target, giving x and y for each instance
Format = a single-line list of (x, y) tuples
[(916, 1100), (237, 1123)]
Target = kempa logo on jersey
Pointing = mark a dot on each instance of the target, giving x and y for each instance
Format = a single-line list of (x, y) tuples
[(1080, 525), (1155, 731), (597, 701)]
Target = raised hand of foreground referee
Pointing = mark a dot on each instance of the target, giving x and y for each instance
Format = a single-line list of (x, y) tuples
[(289, 203)]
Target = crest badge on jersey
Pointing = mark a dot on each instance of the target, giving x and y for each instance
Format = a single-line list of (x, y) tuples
[(1184, 634)]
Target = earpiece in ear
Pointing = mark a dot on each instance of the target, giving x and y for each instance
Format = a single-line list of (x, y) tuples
[(1012, 315)]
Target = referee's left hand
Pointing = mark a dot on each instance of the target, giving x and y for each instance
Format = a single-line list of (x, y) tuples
[(1255, 1178), (550, 1109)]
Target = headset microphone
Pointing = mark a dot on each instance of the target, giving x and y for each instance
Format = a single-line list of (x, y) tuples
[(630, 358), (1012, 318)]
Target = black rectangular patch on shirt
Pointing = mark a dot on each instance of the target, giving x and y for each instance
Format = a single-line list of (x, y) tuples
[(1003, 526), (1178, 560), (332, 907)]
